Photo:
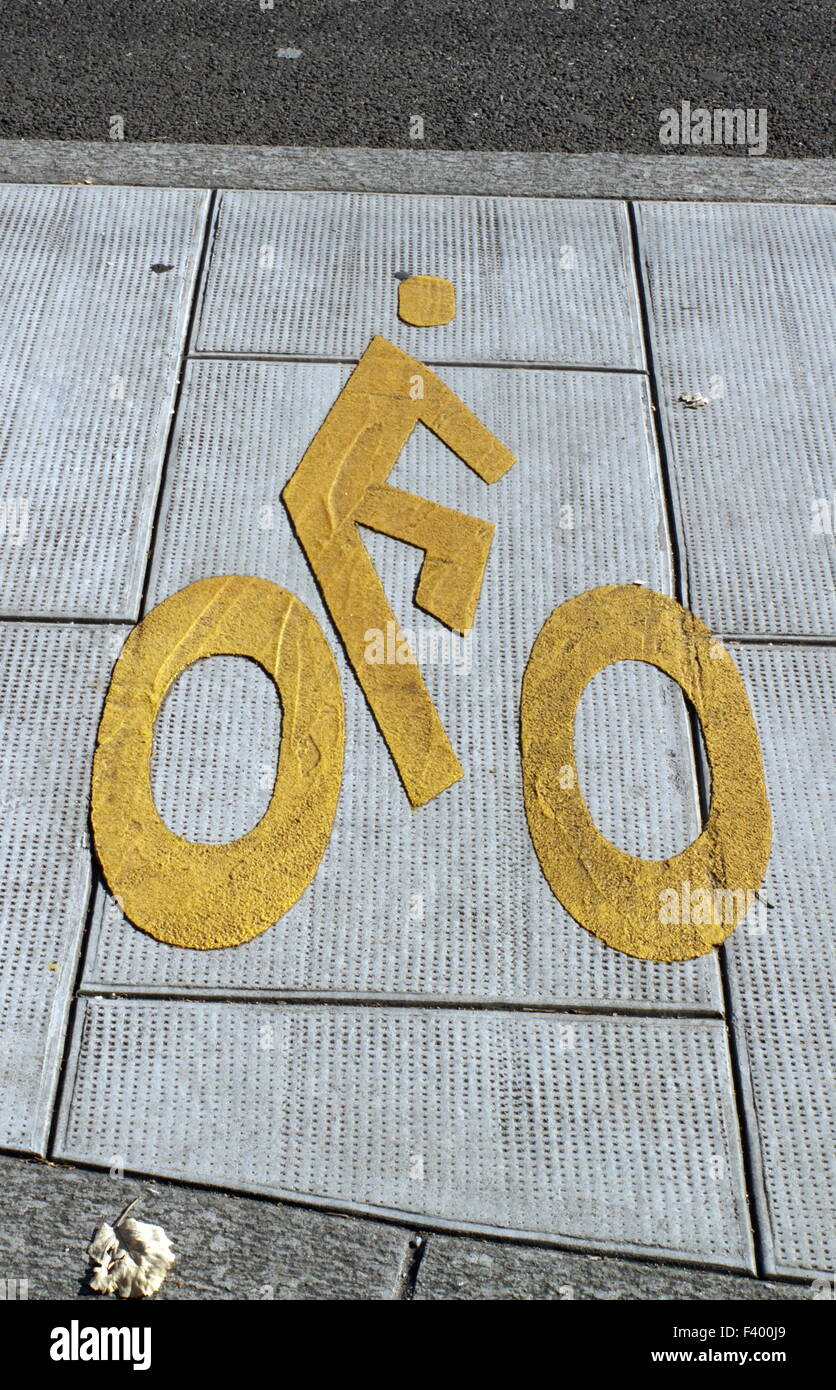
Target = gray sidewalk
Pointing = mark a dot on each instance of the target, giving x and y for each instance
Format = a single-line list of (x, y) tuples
[(427, 1035)]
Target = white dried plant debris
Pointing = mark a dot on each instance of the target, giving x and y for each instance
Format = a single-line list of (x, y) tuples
[(130, 1258), (693, 399)]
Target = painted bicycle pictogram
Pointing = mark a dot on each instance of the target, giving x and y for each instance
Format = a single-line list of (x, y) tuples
[(206, 896)]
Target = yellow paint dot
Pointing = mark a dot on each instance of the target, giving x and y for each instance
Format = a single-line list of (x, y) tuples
[(426, 301)]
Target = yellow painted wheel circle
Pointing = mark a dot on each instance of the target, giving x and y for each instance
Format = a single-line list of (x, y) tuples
[(623, 899), (200, 895)]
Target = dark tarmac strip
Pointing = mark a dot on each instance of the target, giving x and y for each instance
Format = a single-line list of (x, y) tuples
[(570, 75)]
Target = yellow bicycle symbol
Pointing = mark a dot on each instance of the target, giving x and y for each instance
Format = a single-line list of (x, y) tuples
[(206, 896)]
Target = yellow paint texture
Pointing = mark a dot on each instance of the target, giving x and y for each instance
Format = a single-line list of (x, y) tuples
[(615, 895), (340, 484), (200, 895), (427, 301)]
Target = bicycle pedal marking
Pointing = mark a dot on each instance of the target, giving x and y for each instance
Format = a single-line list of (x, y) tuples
[(212, 895)]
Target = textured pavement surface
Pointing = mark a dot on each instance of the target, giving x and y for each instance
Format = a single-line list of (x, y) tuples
[(578, 75), (231, 1247), (425, 1036)]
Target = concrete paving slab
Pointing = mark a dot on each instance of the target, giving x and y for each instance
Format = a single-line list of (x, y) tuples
[(227, 1247), (783, 980), (608, 1133), (476, 922), (215, 752), (52, 684), (456, 1268), (315, 275), (97, 288), (742, 302)]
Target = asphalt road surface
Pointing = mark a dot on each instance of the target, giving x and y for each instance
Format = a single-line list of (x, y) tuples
[(481, 74)]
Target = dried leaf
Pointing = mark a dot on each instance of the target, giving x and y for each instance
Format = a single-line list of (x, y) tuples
[(130, 1258)]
